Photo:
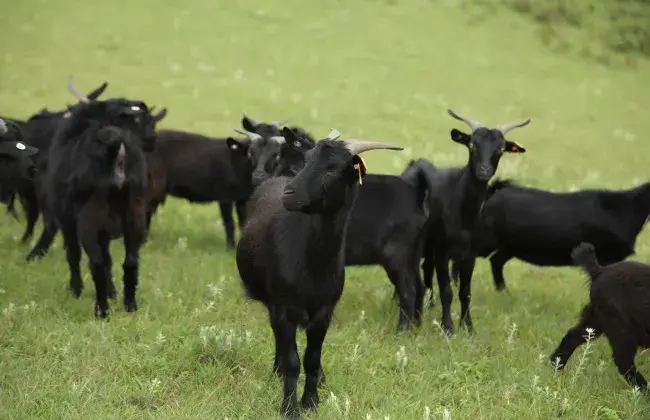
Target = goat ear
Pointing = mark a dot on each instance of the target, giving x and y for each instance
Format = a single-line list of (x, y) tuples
[(94, 94), (159, 116), (248, 124), (514, 147), (460, 137), (235, 146), (296, 142)]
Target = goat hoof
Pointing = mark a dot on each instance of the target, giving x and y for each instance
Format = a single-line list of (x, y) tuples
[(290, 413), (76, 291), (33, 256), (101, 312), (131, 306), (557, 362), (310, 402), (448, 330)]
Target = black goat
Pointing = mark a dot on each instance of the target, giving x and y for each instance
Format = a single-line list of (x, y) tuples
[(96, 186), (619, 307), (542, 227), (38, 131), (204, 169), (387, 225), (291, 253), (456, 196), (16, 165), (147, 125)]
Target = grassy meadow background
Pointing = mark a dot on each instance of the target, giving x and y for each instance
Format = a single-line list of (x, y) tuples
[(384, 70)]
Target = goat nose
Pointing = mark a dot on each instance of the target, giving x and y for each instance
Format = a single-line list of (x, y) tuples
[(484, 171)]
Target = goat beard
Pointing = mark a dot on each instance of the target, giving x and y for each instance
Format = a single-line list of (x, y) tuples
[(120, 167)]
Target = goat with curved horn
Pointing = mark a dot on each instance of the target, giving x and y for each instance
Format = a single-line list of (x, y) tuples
[(75, 92), (474, 125), (251, 136), (359, 146), (504, 128)]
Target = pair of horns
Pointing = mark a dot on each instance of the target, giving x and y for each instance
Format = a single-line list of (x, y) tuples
[(475, 125), (251, 137)]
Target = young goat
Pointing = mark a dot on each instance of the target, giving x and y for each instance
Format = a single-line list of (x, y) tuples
[(95, 188), (542, 227), (291, 253), (457, 195), (147, 126), (619, 303)]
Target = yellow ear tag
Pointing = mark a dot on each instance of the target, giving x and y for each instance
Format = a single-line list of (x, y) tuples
[(359, 167)]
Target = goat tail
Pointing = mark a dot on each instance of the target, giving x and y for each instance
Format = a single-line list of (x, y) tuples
[(584, 255)]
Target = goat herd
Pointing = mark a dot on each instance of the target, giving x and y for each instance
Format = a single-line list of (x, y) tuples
[(98, 170)]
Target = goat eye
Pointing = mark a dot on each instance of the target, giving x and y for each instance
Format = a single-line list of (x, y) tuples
[(331, 170), (296, 144), (277, 158)]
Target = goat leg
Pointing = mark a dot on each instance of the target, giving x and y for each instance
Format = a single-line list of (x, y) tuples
[(45, 240), (290, 368), (73, 256), (228, 223), (497, 261), (574, 338), (312, 362), (444, 284), (30, 205), (134, 234), (466, 269)]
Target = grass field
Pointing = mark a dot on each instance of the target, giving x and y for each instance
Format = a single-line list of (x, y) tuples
[(381, 70)]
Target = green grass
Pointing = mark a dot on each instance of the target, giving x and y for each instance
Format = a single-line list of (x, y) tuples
[(381, 70)]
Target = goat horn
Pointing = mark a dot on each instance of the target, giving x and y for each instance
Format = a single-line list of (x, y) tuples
[(75, 92), (507, 127), (249, 135), (359, 146), (334, 134), (474, 125), (279, 139), (255, 123), (3, 127), (279, 124)]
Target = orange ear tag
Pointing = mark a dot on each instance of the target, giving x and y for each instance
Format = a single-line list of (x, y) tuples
[(361, 167)]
